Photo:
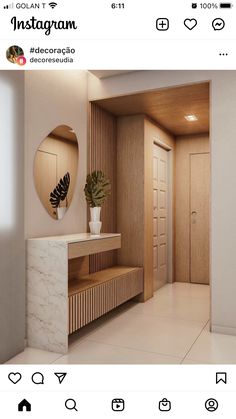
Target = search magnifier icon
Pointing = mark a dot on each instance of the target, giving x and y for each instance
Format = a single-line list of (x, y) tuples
[(71, 404)]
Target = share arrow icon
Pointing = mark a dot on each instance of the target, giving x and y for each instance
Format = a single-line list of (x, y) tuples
[(61, 376)]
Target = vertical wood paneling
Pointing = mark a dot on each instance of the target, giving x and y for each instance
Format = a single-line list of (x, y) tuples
[(130, 189), (102, 156), (134, 193)]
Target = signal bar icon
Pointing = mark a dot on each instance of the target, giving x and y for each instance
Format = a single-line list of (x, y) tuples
[(52, 4), (9, 6)]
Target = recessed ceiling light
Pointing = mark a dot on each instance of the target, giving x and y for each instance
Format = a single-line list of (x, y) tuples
[(191, 118)]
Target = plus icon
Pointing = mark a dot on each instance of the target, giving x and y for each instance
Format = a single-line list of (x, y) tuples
[(162, 24)]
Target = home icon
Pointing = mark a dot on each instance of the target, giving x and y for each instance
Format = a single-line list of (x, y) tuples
[(24, 405)]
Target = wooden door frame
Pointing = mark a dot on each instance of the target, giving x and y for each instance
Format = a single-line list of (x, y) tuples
[(170, 212)]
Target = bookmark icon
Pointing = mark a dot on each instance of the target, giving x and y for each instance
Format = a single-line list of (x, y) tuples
[(221, 377)]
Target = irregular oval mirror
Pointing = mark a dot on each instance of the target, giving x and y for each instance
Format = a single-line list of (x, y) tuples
[(55, 170)]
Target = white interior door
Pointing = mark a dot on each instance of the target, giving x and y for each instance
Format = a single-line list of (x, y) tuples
[(160, 202), (199, 217)]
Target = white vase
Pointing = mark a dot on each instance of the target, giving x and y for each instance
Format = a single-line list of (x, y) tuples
[(95, 224), (61, 212), (95, 228), (95, 213)]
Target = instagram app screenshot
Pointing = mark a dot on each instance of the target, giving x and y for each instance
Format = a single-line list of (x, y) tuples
[(117, 212)]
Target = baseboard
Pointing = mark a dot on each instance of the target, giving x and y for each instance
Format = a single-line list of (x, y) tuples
[(224, 330)]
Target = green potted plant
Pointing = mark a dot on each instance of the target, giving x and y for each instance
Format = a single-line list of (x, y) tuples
[(96, 190)]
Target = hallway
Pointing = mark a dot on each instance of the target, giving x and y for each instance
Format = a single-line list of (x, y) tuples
[(171, 328)]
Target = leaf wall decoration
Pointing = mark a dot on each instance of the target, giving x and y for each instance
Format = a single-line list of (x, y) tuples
[(60, 192)]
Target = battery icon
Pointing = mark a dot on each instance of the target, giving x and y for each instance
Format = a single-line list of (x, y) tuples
[(225, 5)]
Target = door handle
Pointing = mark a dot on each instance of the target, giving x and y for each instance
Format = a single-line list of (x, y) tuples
[(194, 213)]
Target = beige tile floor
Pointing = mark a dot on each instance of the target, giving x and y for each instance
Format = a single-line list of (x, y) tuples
[(171, 328)]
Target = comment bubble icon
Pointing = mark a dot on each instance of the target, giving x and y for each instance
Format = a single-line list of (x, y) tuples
[(37, 378)]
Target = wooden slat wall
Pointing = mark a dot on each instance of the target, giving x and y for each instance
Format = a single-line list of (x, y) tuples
[(102, 156), (92, 303)]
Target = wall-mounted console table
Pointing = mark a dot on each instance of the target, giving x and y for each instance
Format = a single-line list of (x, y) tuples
[(62, 295)]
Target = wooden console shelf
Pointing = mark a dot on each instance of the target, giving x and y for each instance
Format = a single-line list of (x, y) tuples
[(62, 296), (90, 247), (97, 278)]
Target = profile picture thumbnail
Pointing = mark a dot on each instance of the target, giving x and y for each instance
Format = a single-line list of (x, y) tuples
[(15, 55)]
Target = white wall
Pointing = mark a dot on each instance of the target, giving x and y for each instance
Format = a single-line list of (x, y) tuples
[(54, 98), (12, 249), (223, 159)]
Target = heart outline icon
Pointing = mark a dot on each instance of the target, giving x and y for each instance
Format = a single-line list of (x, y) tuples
[(190, 23), (15, 377)]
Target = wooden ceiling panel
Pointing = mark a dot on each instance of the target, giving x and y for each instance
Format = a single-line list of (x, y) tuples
[(168, 107)]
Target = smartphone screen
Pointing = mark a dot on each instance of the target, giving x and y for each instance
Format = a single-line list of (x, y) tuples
[(117, 221)]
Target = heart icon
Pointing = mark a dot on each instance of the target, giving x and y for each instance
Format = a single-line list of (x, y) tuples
[(15, 377), (190, 23)]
